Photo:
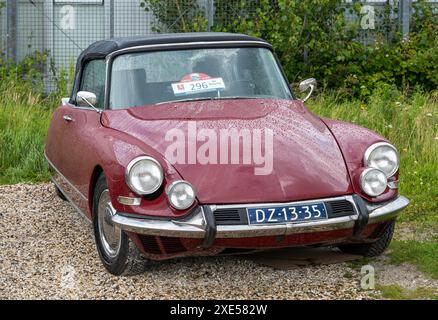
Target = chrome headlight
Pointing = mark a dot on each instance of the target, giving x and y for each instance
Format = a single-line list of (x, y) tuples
[(373, 182), (181, 195), (144, 175), (382, 156)]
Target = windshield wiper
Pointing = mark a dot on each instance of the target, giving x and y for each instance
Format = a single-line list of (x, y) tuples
[(206, 99), (234, 98), (186, 100)]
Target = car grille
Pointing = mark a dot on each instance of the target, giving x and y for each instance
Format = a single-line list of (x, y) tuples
[(236, 216), (151, 244)]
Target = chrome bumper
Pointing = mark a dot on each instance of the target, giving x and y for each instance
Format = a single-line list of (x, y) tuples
[(195, 226)]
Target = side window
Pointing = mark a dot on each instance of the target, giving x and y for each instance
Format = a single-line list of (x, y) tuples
[(93, 80)]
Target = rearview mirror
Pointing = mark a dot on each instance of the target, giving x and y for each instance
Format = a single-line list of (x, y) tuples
[(86, 99), (305, 85)]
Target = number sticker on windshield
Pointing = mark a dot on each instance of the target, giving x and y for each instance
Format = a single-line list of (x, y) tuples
[(204, 84)]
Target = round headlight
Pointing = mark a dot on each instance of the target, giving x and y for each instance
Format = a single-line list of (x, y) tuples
[(373, 182), (384, 157), (144, 175), (181, 195)]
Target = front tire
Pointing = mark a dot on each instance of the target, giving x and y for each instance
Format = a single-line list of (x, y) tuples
[(118, 253), (373, 249)]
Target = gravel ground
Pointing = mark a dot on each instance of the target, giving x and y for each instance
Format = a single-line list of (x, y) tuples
[(47, 251)]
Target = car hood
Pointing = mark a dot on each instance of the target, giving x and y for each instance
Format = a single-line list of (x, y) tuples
[(306, 161)]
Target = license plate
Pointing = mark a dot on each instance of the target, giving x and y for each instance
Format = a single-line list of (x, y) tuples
[(287, 214), (200, 86)]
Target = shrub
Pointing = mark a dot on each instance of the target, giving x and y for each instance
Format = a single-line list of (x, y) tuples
[(313, 38)]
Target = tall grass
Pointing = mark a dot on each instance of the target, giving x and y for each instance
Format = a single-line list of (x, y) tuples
[(24, 121), (410, 122)]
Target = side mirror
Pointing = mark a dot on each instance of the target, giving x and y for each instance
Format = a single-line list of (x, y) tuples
[(86, 99), (305, 85)]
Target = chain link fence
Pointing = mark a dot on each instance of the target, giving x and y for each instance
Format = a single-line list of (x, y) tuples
[(65, 27)]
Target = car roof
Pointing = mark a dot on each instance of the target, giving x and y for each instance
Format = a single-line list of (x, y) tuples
[(101, 49)]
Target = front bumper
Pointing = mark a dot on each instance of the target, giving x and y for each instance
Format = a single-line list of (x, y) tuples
[(200, 224)]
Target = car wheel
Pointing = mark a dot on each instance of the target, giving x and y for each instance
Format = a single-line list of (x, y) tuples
[(60, 194), (371, 249), (118, 253)]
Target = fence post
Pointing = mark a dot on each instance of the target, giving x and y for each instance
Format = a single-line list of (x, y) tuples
[(111, 18), (405, 16), (11, 39), (210, 13)]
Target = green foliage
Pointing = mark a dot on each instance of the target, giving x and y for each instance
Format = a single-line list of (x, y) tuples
[(313, 39), (423, 254), (23, 128), (395, 292), (175, 15), (25, 113)]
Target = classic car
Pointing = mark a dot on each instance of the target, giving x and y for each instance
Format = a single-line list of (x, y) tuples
[(193, 144)]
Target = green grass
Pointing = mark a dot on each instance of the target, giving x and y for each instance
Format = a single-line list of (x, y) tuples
[(395, 292), (23, 129), (422, 254)]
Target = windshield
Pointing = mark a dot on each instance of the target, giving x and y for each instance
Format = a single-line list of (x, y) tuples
[(149, 78)]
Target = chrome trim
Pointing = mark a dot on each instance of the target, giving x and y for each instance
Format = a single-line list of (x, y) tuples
[(388, 211), (306, 84), (81, 213), (128, 201), (365, 172), (172, 185), (393, 184), (374, 147), (194, 227), (87, 99), (239, 231), (64, 178), (294, 203), (65, 101), (186, 44), (244, 231), (129, 167)]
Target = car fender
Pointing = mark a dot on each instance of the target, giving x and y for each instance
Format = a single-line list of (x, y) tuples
[(114, 151), (354, 140)]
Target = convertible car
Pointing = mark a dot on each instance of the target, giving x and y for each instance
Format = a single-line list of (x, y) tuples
[(194, 144)]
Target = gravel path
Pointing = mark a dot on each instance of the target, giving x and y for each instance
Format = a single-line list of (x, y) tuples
[(47, 251)]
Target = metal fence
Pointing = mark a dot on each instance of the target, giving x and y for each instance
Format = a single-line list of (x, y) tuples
[(65, 27)]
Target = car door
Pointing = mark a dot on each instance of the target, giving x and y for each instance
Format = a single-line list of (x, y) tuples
[(80, 124)]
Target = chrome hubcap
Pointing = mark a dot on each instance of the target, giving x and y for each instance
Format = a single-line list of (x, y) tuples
[(109, 234)]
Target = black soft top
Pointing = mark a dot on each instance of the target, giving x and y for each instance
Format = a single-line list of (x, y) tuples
[(100, 49)]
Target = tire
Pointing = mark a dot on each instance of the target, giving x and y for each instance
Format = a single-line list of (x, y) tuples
[(121, 257), (372, 249), (60, 194)]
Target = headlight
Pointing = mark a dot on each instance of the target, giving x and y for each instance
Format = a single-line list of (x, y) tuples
[(144, 175), (181, 195), (384, 157), (373, 182)]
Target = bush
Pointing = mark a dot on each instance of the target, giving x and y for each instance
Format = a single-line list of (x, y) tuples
[(313, 38)]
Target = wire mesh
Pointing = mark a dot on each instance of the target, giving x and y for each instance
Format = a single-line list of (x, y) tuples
[(65, 27)]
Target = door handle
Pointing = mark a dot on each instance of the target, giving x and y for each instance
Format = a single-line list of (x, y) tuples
[(67, 118)]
